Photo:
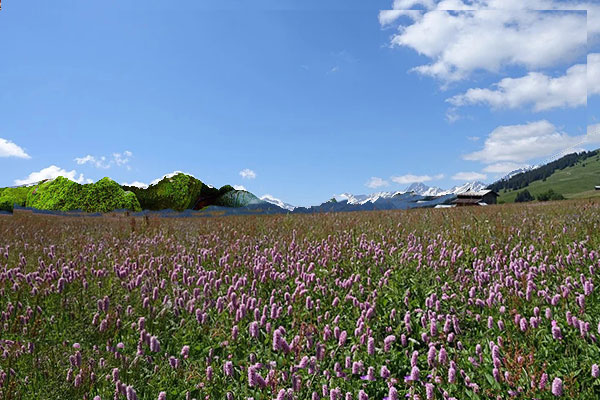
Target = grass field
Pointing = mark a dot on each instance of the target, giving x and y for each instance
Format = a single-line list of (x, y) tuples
[(469, 303), (573, 182)]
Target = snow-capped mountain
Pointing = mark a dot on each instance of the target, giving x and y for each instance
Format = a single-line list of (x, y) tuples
[(270, 199), (417, 188), (475, 186), (424, 190), (365, 198)]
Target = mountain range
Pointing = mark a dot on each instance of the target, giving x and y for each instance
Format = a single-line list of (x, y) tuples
[(416, 188), (573, 175)]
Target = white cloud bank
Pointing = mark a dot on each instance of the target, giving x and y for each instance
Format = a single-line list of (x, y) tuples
[(409, 7), (593, 74), (10, 149), (536, 90), (534, 140), (593, 134), (52, 172), (460, 43)]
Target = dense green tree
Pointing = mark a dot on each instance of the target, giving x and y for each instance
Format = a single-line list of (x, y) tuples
[(62, 194)]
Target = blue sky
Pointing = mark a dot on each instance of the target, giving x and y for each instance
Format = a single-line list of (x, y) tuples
[(313, 99)]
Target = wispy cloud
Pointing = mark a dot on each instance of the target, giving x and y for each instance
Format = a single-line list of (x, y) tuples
[(102, 162), (375, 182), (10, 149), (247, 174), (503, 167), (469, 176), (410, 178)]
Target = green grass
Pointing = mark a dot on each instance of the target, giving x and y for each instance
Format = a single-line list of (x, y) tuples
[(577, 181)]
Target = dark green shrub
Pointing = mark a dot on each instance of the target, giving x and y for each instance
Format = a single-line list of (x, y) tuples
[(550, 195), (524, 196)]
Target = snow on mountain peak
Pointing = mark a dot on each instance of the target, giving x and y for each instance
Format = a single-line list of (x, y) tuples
[(422, 189), (474, 186), (417, 188), (365, 198), (273, 200)]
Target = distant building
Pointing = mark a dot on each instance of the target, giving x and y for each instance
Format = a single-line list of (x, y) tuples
[(480, 198)]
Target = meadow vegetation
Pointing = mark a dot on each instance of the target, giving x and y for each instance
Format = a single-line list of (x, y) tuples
[(469, 303)]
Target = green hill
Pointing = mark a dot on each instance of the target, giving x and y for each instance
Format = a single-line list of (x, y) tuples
[(11, 196), (575, 181), (180, 192), (62, 194)]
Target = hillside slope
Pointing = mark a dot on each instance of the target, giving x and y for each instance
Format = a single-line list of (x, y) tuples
[(575, 181), (184, 192), (62, 194)]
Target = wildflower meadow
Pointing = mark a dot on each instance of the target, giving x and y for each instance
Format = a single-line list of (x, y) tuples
[(475, 303)]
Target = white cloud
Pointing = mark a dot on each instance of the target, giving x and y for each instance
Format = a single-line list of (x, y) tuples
[(593, 74), (138, 184), (460, 43), (121, 159), (99, 162), (410, 178), (376, 182), (473, 138), (520, 143), (593, 134), (536, 89), (9, 149), (503, 167), (591, 6), (469, 176), (118, 159), (451, 115), (52, 172), (240, 187), (387, 17), (247, 174)]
